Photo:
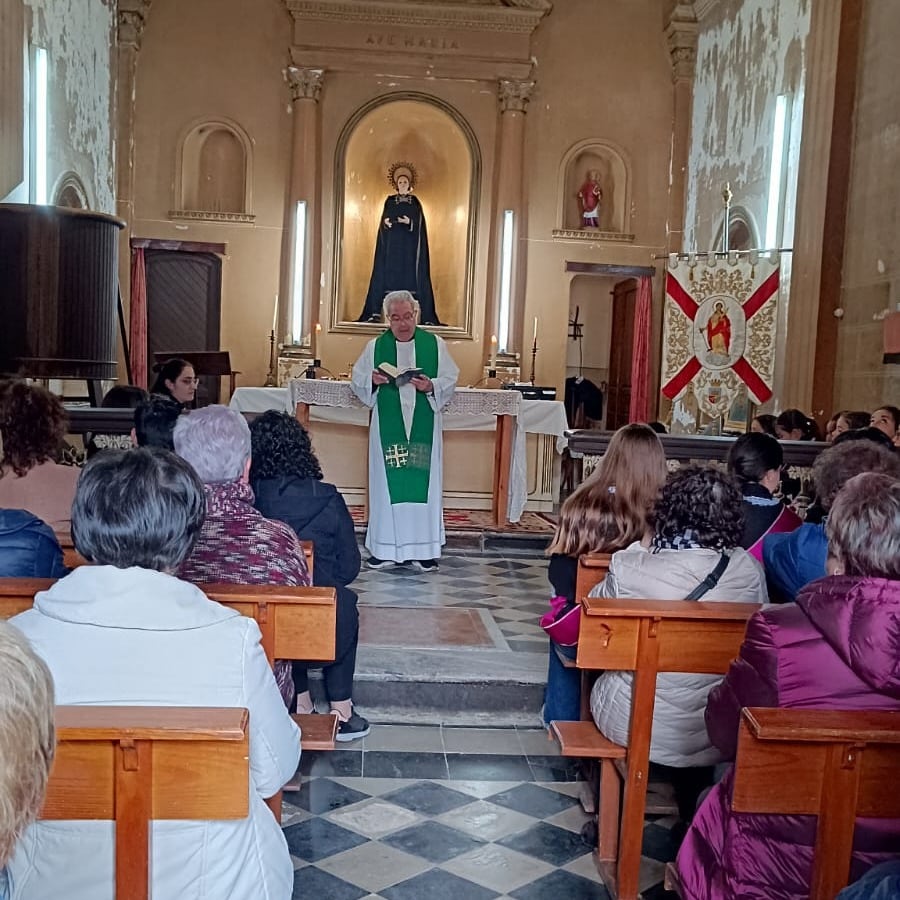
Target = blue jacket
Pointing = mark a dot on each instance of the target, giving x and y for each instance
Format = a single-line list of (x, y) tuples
[(794, 559), (28, 547)]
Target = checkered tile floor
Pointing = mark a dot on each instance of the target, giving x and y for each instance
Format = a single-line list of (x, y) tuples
[(444, 825), (514, 592)]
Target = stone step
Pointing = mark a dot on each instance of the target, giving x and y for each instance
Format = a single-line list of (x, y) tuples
[(449, 686), (487, 543)]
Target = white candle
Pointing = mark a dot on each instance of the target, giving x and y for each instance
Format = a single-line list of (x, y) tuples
[(535, 331), (493, 362), (275, 316)]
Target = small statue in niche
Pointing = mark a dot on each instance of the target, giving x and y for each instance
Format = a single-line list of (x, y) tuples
[(590, 194), (401, 262)]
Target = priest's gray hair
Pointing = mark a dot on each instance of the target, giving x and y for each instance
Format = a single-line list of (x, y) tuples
[(400, 297), (215, 440), (27, 736)]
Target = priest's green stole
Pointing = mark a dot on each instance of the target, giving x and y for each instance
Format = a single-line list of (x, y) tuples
[(407, 460)]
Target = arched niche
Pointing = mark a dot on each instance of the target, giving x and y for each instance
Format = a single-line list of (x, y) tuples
[(214, 171), (743, 233), (71, 193), (432, 136), (615, 181)]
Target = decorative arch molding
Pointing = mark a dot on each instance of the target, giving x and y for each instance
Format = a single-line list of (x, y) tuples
[(615, 170), (214, 172), (743, 232), (70, 192), (451, 202)]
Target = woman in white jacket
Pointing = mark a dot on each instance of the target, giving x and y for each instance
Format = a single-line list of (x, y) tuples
[(697, 518), (125, 631)]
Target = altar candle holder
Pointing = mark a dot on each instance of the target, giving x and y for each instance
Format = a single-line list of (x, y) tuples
[(271, 378), (534, 353)]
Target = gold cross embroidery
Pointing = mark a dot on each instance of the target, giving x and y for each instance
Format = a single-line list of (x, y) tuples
[(396, 456)]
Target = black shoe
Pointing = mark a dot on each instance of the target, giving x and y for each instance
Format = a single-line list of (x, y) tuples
[(373, 562), (355, 727), (424, 565)]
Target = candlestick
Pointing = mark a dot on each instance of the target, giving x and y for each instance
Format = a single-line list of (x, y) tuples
[(271, 378), (275, 316), (493, 360)]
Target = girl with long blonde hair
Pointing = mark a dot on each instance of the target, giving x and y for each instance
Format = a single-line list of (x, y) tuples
[(609, 511)]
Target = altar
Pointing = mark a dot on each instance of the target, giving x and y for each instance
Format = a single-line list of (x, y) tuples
[(500, 451)]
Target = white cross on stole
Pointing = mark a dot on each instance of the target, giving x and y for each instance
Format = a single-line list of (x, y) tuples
[(396, 456)]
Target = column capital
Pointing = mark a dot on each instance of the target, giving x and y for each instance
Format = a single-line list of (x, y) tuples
[(131, 16), (681, 37), (514, 95), (305, 84)]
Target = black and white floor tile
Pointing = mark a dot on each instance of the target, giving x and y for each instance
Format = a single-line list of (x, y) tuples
[(461, 814)]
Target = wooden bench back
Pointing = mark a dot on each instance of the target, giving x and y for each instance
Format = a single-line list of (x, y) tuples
[(135, 764), (662, 635), (648, 637), (296, 622), (72, 558), (592, 569), (834, 764)]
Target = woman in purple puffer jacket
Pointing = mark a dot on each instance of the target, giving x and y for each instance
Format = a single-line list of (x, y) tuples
[(837, 647)]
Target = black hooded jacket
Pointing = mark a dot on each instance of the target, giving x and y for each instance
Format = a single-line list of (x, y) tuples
[(317, 513)]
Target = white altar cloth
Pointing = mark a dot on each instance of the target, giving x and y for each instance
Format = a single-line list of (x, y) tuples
[(470, 410)]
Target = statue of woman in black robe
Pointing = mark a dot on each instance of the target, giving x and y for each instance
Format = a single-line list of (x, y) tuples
[(401, 251)]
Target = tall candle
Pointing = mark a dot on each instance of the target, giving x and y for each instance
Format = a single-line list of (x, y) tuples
[(493, 362), (535, 332), (275, 316)]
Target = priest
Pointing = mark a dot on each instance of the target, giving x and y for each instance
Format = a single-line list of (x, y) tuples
[(406, 520)]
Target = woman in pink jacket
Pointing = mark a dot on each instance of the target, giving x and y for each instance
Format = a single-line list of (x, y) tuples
[(835, 648)]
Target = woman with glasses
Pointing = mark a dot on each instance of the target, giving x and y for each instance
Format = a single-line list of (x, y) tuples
[(176, 379)]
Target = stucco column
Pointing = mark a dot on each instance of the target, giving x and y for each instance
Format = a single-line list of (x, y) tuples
[(130, 20), (796, 388), (513, 97), (305, 178), (681, 36)]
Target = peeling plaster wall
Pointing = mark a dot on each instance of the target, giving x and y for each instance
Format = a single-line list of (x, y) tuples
[(748, 52), (79, 36), (871, 276)]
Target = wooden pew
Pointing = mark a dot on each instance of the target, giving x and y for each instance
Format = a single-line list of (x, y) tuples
[(296, 623), (135, 764), (592, 569), (645, 637), (72, 558), (834, 764)]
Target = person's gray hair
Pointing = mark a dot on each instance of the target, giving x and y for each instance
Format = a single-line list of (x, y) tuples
[(863, 526), (142, 507), (400, 297), (834, 467), (215, 440), (27, 736)]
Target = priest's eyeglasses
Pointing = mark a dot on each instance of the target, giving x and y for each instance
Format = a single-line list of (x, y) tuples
[(406, 317)]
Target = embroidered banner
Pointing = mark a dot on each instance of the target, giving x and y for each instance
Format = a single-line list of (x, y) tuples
[(719, 331)]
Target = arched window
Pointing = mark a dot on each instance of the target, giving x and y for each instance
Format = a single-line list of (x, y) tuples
[(71, 192)]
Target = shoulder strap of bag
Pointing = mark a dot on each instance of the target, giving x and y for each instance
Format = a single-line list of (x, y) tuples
[(711, 580)]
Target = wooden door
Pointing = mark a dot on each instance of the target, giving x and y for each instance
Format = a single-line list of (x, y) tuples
[(618, 396), (184, 297)]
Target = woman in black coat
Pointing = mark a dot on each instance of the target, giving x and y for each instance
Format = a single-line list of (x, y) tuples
[(287, 481)]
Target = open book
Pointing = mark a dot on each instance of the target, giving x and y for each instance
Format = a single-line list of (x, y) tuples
[(397, 376)]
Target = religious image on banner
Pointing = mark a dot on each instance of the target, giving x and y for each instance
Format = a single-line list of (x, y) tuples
[(719, 333)]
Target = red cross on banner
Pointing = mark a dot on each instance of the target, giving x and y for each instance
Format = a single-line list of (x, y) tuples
[(720, 330)]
